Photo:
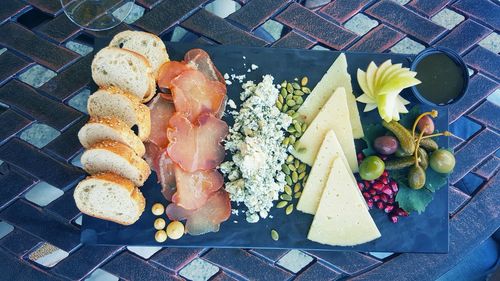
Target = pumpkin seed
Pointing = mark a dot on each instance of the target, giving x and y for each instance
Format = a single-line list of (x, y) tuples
[(306, 90), (293, 139), (288, 190), (286, 141), (295, 177), (281, 204), (283, 84), (304, 127), (290, 158), (291, 130), (279, 105), (302, 168), (289, 88), (291, 167), (305, 179), (285, 108), (298, 127), (291, 103), (296, 188), (280, 99), (285, 169), (297, 195), (295, 115), (299, 100), (283, 92), (290, 112), (296, 86), (288, 180), (289, 209), (274, 235), (301, 175), (298, 93), (296, 107), (304, 81), (298, 134), (286, 197)]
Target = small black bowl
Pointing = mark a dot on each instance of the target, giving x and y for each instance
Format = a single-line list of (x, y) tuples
[(452, 55)]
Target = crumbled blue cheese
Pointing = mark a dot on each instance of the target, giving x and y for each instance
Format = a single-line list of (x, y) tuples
[(254, 172)]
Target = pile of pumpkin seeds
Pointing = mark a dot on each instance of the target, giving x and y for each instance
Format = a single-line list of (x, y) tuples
[(291, 97)]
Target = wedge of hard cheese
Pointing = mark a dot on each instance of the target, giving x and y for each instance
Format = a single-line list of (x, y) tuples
[(311, 195), (341, 218), (333, 116), (336, 76)]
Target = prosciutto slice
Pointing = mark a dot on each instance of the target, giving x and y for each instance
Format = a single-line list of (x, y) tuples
[(205, 219), (196, 146), (161, 111), (200, 60), (170, 70), (166, 175), (194, 94), (194, 189)]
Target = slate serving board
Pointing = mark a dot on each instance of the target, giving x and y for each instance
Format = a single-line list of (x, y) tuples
[(424, 233)]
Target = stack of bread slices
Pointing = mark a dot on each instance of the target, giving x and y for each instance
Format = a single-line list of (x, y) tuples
[(126, 73)]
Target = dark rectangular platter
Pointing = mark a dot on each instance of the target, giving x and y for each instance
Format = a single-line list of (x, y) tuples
[(423, 233)]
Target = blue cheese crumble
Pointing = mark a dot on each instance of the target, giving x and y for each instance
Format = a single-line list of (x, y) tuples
[(254, 172)]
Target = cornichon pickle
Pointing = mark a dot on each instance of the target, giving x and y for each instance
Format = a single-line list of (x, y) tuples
[(399, 163), (404, 136), (416, 177), (429, 144), (424, 157)]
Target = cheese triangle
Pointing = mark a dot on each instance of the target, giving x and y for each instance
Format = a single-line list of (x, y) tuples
[(341, 218), (333, 116), (336, 76), (311, 194)]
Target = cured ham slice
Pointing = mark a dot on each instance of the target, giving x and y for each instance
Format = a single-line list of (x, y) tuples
[(200, 60), (161, 111), (205, 219), (194, 94), (166, 175), (196, 146), (170, 70), (194, 189), (152, 155)]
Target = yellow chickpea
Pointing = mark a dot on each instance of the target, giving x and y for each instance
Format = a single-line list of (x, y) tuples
[(175, 230), (159, 223), (161, 236), (158, 209)]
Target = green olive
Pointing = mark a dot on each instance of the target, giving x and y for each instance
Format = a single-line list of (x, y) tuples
[(416, 177), (442, 161), (371, 168)]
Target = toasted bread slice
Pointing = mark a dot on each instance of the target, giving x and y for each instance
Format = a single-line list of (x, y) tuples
[(125, 69), (113, 102), (144, 43), (99, 129), (115, 157), (109, 197)]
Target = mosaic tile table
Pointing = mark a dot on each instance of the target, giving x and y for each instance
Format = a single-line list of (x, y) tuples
[(44, 75)]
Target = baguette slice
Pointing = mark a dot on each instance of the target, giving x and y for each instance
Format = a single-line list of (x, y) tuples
[(99, 129), (115, 157), (109, 197), (125, 69), (146, 44), (113, 102)]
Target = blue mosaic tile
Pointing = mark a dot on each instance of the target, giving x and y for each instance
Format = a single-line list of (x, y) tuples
[(448, 18), (318, 271), (102, 275), (495, 97), (198, 270), (12, 184), (270, 31), (489, 168), (37, 75), (19, 242), (484, 61), (407, 46), (464, 128), (39, 134), (469, 183), (64, 206), (5, 229), (79, 101), (43, 193), (456, 199), (131, 267), (491, 42), (222, 8), (136, 13), (381, 255), (175, 258), (47, 255), (360, 24), (16, 269), (295, 261), (67, 144), (2, 50), (79, 48), (487, 114), (144, 252)]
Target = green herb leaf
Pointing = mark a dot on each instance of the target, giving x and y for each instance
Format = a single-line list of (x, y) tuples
[(413, 200), (434, 181), (408, 118)]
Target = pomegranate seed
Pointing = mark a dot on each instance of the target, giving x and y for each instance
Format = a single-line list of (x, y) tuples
[(380, 205), (376, 198), (394, 186), (367, 183), (361, 186), (378, 186), (372, 181), (372, 192), (384, 198), (390, 200), (366, 195), (385, 174), (387, 191), (385, 180), (402, 212), (369, 203), (394, 219), (360, 156), (388, 209)]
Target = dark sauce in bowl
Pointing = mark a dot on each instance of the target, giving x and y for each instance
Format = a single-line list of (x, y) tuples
[(443, 75)]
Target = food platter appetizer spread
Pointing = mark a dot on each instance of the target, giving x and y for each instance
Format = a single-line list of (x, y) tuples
[(184, 150)]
